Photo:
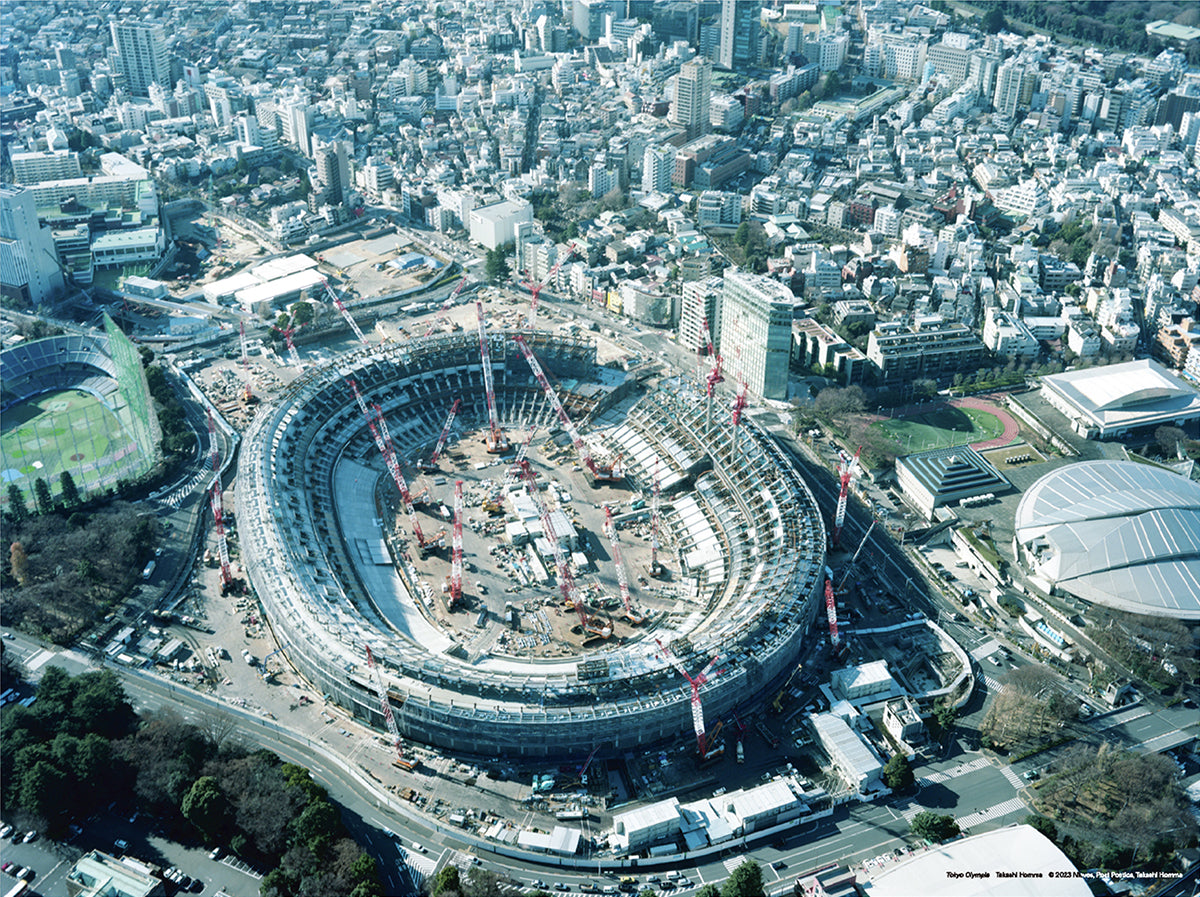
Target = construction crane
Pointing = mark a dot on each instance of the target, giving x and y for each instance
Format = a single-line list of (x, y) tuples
[(656, 568), (599, 472), (697, 708), (777, 704), (496, 441), (456, 551), (247, 392), (714, 376), (848, 469), (293, 355), (386, 706), (217, 502), (446, 306), (831, 610), (441, 442), (566, 581), (383, 441), (345, 312), (861, 545), (739, 405), (536, 288), (610, 528)]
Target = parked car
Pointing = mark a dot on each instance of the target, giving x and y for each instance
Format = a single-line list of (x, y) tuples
[(29, 836), (6, 831), (215, 853)]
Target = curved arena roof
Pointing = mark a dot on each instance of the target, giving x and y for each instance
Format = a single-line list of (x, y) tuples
[(750, 532), (1117, 533)]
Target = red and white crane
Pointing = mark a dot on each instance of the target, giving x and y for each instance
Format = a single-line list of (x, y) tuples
[(247, 391), (739, 405), (585, 456), (456, 551), (217, 502), (386, 706), (714, 375), (848, 469), (345, 312), (293, 355), (695, 682), (831, 610), (446, 306), (656, 569), (566, 580), (610, 528), (441, 443), (383, 441), (496, 441), (536, 288)]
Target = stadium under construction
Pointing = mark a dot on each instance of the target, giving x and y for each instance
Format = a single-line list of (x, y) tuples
[(343, 560)]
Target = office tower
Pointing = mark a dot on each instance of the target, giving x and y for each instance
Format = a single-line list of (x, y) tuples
[(141, 51), (756, 331), (29, 271), (739, 33), (692, 89)]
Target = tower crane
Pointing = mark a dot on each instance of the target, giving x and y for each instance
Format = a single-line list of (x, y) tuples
[(247, 391), (854, 559), (566, 581), (831, 611), (739, 405), (293, 355), (446, 306), (697, 708), (848, 469), (217, 502), (656, 569), (345, 312), (385, 705), (441, 442), (599, 472), (496, 441), (383, 441), (610, 529), (714, 375), (536, 288), (456, 551)]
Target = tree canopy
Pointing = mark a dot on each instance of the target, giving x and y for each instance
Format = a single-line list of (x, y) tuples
[(935, 827), (745, 881)]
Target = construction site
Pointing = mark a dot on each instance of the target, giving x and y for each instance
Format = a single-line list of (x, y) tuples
[(546, 555)]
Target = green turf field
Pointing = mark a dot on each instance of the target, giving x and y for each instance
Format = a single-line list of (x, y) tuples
[(941, 426), (68, 430)]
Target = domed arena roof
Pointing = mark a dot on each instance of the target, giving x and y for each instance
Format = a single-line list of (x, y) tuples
[(1116, 533)]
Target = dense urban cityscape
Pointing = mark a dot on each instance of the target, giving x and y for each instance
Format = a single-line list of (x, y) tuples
[(670, 447)]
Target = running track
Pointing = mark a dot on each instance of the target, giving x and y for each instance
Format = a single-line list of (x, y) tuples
[(1011, 429)]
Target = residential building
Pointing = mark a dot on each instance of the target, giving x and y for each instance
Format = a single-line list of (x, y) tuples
[(693, 89), (715, 208), (33, 168), (140, 49), (1007, 335), (658, 164), (756, 331), (931, 347), (1014, 88), (701, 308), (333, 171), (29, 270)]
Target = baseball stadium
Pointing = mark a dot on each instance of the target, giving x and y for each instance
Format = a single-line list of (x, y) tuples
[(651, 561)]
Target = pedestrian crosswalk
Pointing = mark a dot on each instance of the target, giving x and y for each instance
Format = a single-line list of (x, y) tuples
[(1015, 805), (1013, 778), (732, 863), (992, 684), (176, 497), (418, 867), (961, 770)]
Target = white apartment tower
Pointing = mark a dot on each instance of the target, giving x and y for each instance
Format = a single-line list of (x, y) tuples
[(756, 331), (141, 50), (1014, 87), (29, 270), (658, 163), (693, 87)]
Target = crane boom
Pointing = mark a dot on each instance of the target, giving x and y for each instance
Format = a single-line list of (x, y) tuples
[(847, 470), (446, 306), (655, 567), (857, 552), (442, 437), (217, 502), (610, 527), (536, 288), (456, 555), (585, 457), (247, 392), (831, 609), (695, 682), (345, 312), (496, 441), (386, 706), (739, 405)]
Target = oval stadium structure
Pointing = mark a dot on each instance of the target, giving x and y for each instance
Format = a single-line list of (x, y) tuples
[(746, 532), (1116, 533)]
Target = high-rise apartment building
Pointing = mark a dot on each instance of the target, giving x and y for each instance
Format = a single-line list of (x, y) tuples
[(296, 119), (756, 331), (693, 87), (739, 33), (141, 52), (1014, 88), (29, 271), (658, 162), (333, 170)]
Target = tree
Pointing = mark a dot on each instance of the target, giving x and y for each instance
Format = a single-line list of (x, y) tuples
[(41, 491), (746, 881), (834, 401), (898, 774), (935, 827), (70, 493), (16, 503), (1043, 825), (1168, 439), (924, 389), (302, 314), (709, 890), (496, 266), (206, 807), (447, 882), (19, 562), (482, 883)]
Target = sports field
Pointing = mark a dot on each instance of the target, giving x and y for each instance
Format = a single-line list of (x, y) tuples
[(68, 430), (941, 425)]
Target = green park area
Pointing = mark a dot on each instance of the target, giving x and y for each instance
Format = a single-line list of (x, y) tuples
[(940, 426)]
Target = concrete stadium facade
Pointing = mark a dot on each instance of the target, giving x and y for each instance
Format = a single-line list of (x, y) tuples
[(759, 600)]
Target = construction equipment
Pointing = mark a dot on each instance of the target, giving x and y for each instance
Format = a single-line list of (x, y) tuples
[(293, 355), (848, 469), (383, 441), (610, 528), (403, 761), (831, 610), (456, 551), (248, 396), (496, 441), (566, 581), (777, 704), (345, 313), (714, 375), (739, 405), (441, 442), (599, 473), (854, 559), (697, 708), (656, 569), (446, 306), (536, 288), (217, 502)]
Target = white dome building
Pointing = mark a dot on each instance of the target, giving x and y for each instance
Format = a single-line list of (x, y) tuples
[(1117, 533)]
